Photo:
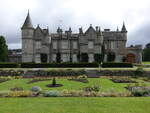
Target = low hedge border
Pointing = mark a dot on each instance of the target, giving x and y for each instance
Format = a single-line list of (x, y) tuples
[(9, 65), (117, 65), (58, 65)]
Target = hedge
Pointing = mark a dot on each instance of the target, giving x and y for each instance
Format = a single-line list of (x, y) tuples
[(59, 65), (9, 65), (116, 65)]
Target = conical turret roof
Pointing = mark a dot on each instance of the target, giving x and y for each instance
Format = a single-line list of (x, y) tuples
[(123, 28), (28, 22)]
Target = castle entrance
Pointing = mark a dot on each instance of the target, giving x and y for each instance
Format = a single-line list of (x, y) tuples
[(131, 58), (44, 58)]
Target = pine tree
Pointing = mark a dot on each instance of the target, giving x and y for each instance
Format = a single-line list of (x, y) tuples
[(3, 50)]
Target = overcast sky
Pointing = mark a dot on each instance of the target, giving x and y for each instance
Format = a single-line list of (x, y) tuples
[(76, 13)]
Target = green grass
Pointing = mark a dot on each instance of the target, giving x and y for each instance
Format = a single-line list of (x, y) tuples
[(145, 62), (104, 83), (75, 105)]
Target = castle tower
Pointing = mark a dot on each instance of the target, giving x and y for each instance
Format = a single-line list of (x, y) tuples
[(124, 32), (27, 40)]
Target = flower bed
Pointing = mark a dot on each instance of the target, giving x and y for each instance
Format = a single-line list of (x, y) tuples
[(38, 80), (122, 80)]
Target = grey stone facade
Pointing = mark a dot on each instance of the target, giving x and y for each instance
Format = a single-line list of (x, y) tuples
[(40, 46)]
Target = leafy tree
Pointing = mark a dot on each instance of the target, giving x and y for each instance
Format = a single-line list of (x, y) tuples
[(146, 54), (3, 50)]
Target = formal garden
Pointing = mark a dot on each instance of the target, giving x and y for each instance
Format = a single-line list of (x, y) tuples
[(71, 90)]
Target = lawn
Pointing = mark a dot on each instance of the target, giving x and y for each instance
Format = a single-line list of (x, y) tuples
[(75, 105), (147, 63), (104, 83)]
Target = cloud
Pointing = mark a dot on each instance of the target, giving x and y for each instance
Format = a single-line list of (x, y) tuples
[(76, 13)]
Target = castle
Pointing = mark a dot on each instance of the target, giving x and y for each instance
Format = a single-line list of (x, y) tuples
[(40, 46)]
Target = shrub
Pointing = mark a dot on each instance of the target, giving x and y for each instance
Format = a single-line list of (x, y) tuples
[(54, 81), (37, 80), (20, 94), (116, 64), (17, 89), (81, 78), (67, 64), (4, 93), (122, 80), (17, 77), (65, 72), (36, 89), (4, 79), (95, 88), (138, 72), (52, 94), (139, 89), (9, 65)]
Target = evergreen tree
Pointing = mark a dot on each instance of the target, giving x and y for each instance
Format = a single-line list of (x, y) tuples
[(146, 53), (3, 50), (58, 57), (111, 57)]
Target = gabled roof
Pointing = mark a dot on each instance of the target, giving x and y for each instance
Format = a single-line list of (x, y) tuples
[(90, 30), (38, 32), (28, 22)]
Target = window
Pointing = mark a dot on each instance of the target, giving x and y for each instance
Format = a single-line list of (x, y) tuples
[(91, 58), (37, 58), (74, 57), (90, 45), (54, 44), (64, 44), (117, 44), (64, 57), (37, 44), (112, 44), (105, 46), (54, 57), (74, 44)]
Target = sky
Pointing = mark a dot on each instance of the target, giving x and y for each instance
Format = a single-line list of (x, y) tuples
[(75, 14)]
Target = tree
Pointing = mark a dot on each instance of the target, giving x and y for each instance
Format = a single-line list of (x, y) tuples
[(103, 52), (98, 58), (84, 57), (43, 57), (58, 57), (111, 56), (146, 54), (3, 50)]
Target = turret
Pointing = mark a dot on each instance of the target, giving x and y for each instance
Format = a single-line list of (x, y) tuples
[(124, 28), (117, 29), (80, 31), (27, 40)]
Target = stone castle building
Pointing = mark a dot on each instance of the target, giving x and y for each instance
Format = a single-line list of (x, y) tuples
[(40, 46)]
